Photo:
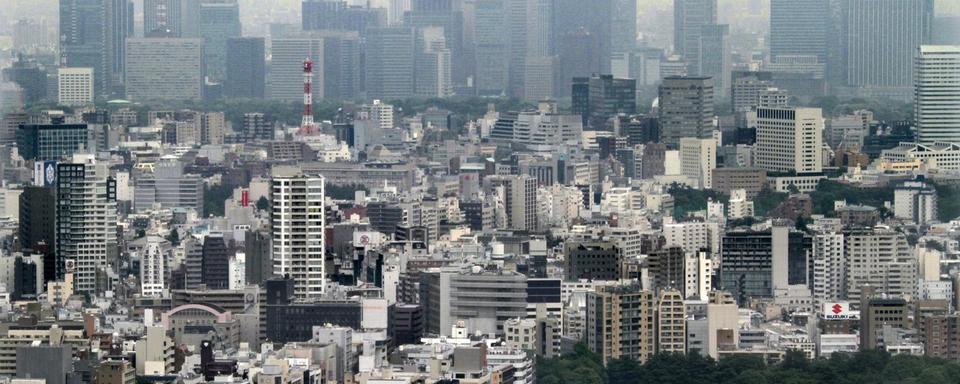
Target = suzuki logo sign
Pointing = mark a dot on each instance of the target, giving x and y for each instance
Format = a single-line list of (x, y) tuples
[(837, 311)]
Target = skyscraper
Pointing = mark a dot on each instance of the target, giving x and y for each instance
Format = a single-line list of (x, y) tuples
[(937, 93), (246, 69), (390, 63), (179, 17), (689, 18), (37, 226), (119, 19), (799, 28), (686, 109), (599, 98), (83, 38), (881, 39), (286, 67), (715, 56), (164, 68), (490, 47), (86, 220), (219, 21), (298, 230), (789, 140)]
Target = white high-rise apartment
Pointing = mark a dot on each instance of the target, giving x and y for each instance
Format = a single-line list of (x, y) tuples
[(698, 158), (789, 140), (152, 271), (380, 112), (75, 86), (297, 224), (86, 220), (936, 94)]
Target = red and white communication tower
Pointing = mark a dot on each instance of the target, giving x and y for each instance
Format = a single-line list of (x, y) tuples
[(307, 127)]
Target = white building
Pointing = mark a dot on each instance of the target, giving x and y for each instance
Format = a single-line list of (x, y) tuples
[(698, 272), (698, 159), (693, 236), (75, 86), (739, 205), (153, 268), (380, 112), (881, 258), (944, 156), (936, 79), (915, 202), (829, 267), (789, 140), (237, 271), (298, 224)]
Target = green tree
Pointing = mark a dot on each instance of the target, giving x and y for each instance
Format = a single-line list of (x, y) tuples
[(262, 203), (174, 237)]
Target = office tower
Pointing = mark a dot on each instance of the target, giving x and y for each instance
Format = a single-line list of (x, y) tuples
[(799, 28), (86, 221), (44, 142), (490, 47), (936, 94), (714, 56), (164, 68), (219, 22), (448, 296), (176, 18), (75, 86), (215, 269), (168, 188), (246, 72), (153, 273), (83, 38), (620, 323), (600, 98), (879, 258), (37, 225), (30, 77), (447, 16), (593, 18), (286, 67), (593, 260), (390, 63), (759, 264), (342, 68), (881, 38), (667, 268), (686, 109), (433, 64), (698, 158), (322, 14), (119, 20), (518, 193), (789, 140), (689, 18), (623, 28), (297, 224)]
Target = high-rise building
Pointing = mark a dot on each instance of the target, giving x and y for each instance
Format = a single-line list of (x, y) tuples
[(86, 220), (342, 67), (715, 61), (829, 266), (915, 202), (698, 159), (758, 264), (177, 18), (789, 140), (246, 68), (887, 29), (37, 226), (75, 86), (256, 126), (164, 68), (446, 17), (490, 47), (518, 194), (799, 28), (83, 38), (153, 268), (879, 258), (44, 142), (620, 322), (448, 296), (686, 109), (286, 67), (215, 267), (936, 93), (671, 322), (593, 261), (298, 230), (599, 98), (390, 61), (219, 22), (433, 64), (689, 18), (119, 19)]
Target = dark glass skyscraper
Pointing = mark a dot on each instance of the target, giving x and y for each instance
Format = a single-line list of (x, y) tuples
[(799, 28), (83, 38), (245, 67)]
